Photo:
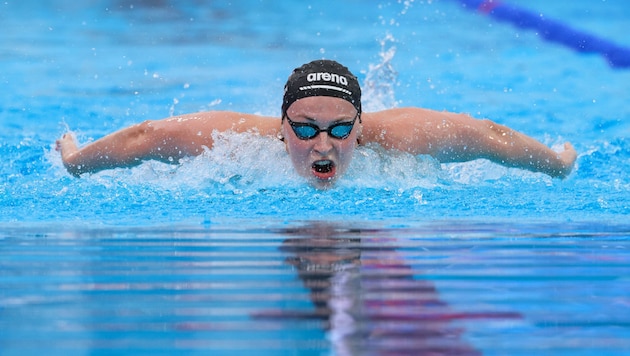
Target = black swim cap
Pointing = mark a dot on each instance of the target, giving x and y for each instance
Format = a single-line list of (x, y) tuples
[(322, 78)]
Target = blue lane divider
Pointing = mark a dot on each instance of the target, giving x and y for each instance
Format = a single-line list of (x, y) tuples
[(551, 30)]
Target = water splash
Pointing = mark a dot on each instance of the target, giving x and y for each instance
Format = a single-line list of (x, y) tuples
[(381, 79), (246, 162), (237, 162), (376, 167), (407, 5)]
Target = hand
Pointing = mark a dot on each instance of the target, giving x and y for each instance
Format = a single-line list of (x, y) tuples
[(567, 157), (67, 146)]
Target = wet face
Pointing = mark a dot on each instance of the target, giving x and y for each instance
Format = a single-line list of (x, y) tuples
[(324, 158)]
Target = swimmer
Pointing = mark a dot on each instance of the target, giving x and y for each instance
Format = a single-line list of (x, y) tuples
[(321, 125)]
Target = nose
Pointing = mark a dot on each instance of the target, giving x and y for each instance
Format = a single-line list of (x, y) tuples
[(323, 143)]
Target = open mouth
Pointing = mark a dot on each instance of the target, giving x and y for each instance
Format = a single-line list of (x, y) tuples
[(324, 169)]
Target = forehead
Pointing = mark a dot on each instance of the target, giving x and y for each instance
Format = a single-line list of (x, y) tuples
[(321, 107)]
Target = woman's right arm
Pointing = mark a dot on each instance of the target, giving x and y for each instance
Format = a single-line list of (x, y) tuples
[(166, 140)]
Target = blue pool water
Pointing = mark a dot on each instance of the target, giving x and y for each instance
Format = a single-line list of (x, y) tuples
[(232, 252)]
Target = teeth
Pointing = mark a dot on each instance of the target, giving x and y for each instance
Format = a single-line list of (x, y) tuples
[(322, 163), (322, 166)]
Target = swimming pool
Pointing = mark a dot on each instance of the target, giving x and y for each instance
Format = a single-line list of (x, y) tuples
[(243, 255)]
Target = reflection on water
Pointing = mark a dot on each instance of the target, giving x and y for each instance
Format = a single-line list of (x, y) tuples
[(367, 297), (316, 288)]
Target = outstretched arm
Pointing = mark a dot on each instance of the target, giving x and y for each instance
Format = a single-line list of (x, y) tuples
[(457, 137), (165, 140)]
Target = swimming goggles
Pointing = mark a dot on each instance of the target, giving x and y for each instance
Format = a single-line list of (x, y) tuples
[(308, 131)]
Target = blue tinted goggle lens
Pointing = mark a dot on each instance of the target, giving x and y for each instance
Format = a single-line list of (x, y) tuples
[(307, 131)]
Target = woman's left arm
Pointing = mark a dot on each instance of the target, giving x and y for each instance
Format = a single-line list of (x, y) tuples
[(453, 137), (500, 144)]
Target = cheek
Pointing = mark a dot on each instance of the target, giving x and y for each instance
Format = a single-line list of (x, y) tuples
[(346, 151), (351, 142), (292, 144), (297, 150)]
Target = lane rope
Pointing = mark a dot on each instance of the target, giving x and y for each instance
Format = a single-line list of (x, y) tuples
[(552, 30)]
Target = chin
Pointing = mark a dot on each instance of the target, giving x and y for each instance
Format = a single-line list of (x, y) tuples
[(322, 184)]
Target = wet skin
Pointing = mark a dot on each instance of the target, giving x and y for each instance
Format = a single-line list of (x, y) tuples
[(323, 159)]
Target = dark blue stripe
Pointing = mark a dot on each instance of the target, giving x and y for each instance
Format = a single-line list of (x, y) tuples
[(552, 30)]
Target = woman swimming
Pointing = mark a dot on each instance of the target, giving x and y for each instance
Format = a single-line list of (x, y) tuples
[(321, 124)]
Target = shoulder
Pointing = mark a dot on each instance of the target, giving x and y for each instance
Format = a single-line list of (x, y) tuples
[(390, 128), (397, 121), (412, 117), (414, 130), (407, 114), (226, 121)]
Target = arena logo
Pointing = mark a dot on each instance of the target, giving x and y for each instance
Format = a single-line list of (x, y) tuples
[(327, 77)]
